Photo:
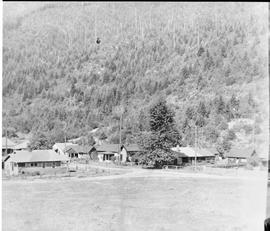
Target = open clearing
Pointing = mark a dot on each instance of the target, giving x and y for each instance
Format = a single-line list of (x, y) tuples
[(150, 200)]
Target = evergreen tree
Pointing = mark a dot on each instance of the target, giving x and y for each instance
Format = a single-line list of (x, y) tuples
[(163, 135)]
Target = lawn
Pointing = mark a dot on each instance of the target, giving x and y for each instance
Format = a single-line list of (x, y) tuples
[(134, 204)]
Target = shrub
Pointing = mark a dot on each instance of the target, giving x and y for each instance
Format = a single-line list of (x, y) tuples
[(254, 160)]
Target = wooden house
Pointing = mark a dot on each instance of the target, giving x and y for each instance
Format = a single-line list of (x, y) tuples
[(36, 158), (133, 150), (239, 154), (108, 152), (188, 155), (79, 151), (60, 147)]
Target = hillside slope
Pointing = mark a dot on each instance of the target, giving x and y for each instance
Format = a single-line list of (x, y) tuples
[(206, 59)]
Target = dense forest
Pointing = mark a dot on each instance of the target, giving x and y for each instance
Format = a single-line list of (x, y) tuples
[(208, 60)]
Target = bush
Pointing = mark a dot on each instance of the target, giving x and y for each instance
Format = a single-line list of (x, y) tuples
[(113, 159), (36, 173), (253, 160)]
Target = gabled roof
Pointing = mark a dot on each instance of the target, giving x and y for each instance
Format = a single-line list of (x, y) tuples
[(133, 148), (236, 152), (10, 144), (108, 148), (192, 152), (23, 145), (79, 149), (36, 156)]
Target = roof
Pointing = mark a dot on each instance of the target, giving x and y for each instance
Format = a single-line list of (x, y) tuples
[(239, 152), (36, 156), (23, 145), (10, 144), (133, 148), (179, 154), (75, 139), (78, 149), (62, 146), (192, 152), (213, 150), (108, 148)]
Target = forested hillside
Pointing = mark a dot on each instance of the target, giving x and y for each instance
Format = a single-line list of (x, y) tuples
[(209, 60)]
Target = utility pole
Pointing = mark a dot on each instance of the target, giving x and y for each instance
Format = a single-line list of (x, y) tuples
[(120, 136), (65, 133), (254, 116), (6, 135), (95, 24), (196, 146)]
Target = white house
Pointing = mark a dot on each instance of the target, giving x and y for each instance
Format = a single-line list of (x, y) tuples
[(188, 154), (60, 147), (106, 152), (36, 158)]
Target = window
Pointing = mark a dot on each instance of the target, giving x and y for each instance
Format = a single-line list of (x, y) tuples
[(32, 164)]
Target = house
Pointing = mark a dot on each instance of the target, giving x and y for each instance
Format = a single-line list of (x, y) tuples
[(36, 158), (79, 151), (132, 151), (7, 146), (107, 152), (188, 154), (218, 156), (22, 146), (239, 154), (60, 147)]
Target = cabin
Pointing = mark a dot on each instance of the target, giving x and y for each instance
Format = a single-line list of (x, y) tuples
[(187, 155), (7, 146), (239, 154), (133, 150), (36, 158), (60, 147), (108, 152), (79, 151)]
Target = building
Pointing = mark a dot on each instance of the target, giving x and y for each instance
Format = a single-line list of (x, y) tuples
[(240, 154), (36, 158), (108, 152), (60, 147), (78, 151), (7, 146), (133, 150), (22, 146), (188, 155)]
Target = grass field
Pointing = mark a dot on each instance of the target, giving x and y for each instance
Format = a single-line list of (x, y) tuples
[(134, 204)]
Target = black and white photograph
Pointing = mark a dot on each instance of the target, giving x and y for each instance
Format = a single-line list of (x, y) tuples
[(135, 116)]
